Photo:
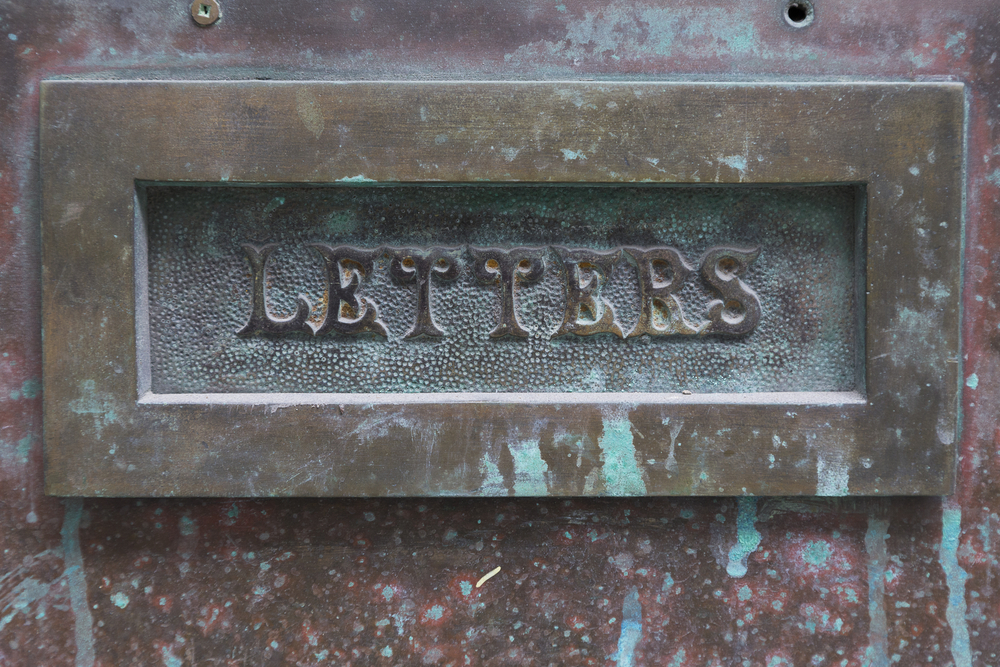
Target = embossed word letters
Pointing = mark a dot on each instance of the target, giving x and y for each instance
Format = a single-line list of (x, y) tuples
[(662, 272)]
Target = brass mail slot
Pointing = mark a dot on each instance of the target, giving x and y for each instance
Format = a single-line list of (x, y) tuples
[(323, 288)]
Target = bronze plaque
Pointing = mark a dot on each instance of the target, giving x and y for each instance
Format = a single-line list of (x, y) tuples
[(500, 288)]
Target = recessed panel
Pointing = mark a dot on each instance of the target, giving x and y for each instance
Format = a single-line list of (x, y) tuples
[(639, 288)]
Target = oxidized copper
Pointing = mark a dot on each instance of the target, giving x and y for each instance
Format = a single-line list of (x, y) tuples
[(110, 147)]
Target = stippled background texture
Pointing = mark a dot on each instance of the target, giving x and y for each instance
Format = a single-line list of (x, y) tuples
[(753, 581), (199, 288)]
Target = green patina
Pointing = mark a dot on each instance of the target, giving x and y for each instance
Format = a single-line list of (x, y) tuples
[(434, 613), (956, 578), (627, 30), (24, 447), (187, 525), (816, 553), (530, 468), (956, 42), (493, 484), (622, 476), (273, 205), (29, 390), (100, 405), (747, 537)]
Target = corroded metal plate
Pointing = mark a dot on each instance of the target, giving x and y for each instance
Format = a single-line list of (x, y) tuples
[(500, 288), (502, 330)]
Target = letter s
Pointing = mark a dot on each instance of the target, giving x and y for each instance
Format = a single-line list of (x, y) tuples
[(738, 311)]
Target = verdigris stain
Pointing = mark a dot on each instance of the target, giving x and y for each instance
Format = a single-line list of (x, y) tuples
[(622, 476), (747, 537)]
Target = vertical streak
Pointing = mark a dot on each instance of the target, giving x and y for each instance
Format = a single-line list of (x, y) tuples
[(877, 653), (747, 537), (77, 581), (955, 576), (631, 629), (622, 474)]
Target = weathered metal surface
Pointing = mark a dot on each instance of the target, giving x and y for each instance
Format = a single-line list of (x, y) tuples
[(594, 425), (438, 331), (893, 581)]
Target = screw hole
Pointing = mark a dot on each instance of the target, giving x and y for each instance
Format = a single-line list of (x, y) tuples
[(205, 12), (799, 13)]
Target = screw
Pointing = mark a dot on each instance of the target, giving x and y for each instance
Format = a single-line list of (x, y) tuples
[(205, 12)]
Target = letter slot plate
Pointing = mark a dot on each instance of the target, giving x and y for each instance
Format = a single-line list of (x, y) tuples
[(492, 289)]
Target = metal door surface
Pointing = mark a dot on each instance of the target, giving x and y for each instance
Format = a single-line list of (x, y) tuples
[(751, 580)]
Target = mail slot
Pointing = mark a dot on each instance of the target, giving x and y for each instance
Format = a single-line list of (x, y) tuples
[(500, 288)]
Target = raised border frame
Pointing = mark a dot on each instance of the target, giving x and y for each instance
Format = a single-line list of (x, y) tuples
[(107, 435)]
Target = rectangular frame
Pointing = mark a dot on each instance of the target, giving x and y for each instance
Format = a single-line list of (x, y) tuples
[(107, 435)]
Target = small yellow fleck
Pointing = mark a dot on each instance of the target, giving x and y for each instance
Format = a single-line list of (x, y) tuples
[(489, 575)]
